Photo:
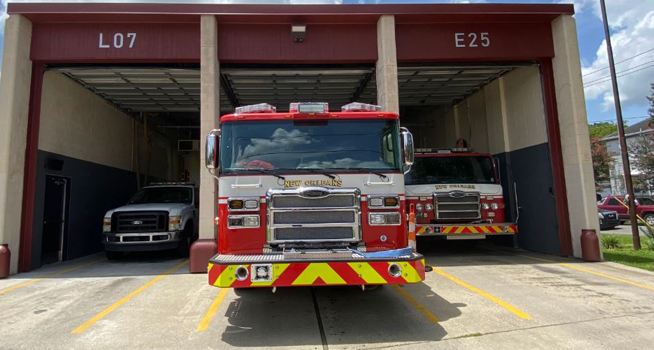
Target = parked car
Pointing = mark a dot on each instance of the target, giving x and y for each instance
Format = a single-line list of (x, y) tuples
[(644, 207), (608, 219), (158, 217)]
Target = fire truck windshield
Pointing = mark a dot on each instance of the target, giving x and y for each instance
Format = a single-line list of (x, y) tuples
[(306, 145), (451, 169)]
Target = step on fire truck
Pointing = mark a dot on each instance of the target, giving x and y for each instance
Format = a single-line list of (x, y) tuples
[(311, 197), (456, 194)]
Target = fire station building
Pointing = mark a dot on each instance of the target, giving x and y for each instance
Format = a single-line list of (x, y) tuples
[(97, 97)]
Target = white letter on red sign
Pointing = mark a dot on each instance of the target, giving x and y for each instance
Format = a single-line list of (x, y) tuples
[(458, 40), (103, 46)]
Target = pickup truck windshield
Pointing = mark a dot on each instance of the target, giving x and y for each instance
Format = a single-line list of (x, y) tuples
[(297, 145), (163, 195), (450, 170)]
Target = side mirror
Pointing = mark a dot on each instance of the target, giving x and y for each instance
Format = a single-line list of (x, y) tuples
[(497, 168), (211, 149), (407, 148)]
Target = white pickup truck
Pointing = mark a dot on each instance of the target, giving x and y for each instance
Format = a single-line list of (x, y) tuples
[(158, 217)]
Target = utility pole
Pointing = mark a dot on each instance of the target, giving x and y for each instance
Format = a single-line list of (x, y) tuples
[(623, 140)]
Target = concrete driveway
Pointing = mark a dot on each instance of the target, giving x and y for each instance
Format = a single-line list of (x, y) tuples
[(486, 297)]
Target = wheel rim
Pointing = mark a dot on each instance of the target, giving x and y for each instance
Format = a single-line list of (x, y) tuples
[(650, 220)]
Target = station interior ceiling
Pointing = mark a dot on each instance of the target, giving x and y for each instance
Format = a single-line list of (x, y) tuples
[(172, 94)]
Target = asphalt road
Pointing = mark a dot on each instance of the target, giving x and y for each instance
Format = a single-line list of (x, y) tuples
[(625, 230), (477, 298)]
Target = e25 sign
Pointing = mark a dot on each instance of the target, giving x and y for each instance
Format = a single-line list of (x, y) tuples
[(472, 39)]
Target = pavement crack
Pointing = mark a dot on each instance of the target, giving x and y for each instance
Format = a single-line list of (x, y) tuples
[(321, 328)]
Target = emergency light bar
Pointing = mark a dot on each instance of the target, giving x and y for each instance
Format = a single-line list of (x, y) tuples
[(309, 107), (258, 108), (360, 107), (443, 150)]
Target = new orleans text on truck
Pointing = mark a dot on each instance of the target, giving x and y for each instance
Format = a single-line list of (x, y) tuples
[(311, 197)]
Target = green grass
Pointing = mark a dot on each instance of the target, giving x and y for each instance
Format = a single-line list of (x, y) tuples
[(624, 254)]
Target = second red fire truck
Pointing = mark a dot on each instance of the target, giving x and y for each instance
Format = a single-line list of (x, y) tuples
[(311, 197), (457, 194)]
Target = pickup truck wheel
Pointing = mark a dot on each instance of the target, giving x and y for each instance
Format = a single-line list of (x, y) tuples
[(649, 218), (113, 255), (185, 242)]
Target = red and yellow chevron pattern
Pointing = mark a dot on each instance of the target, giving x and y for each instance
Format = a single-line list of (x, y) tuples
[(322, 274), (467, 229)]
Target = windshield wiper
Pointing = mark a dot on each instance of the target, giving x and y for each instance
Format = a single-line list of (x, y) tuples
[(365, 170), (316, 171), (262, 171)]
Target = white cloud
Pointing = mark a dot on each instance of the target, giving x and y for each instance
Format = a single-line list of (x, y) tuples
[(3, 17), (632, 27)]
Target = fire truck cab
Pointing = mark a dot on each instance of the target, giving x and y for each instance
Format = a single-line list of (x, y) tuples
[(311, 197), (457, 194)]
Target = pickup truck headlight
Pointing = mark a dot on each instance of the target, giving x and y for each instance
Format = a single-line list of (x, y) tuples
[(600, 215), (174, 223), (379, 219), (106, 224)]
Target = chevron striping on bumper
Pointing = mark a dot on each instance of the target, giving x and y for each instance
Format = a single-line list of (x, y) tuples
[(367, 273), (318, 270)]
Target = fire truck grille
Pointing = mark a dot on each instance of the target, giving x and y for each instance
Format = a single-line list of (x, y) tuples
[(313, 233), (457, 206), (332, 201), (139, 222), (333, 216), (314, 217)]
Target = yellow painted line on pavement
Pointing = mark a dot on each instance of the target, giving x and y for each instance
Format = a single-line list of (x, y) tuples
[(607, 276), (494, 299), (122, 301), (599, 274), (211, 312), (423, 310), (52, 275)]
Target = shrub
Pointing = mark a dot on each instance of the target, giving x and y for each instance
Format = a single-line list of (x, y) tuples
[(649, 237), (610, 242)]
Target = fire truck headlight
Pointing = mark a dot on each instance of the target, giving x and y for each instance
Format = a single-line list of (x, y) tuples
[(377, 219), (485, 206), (429, 207), (376, 202), (495, 206), (174, 223), (418, 207), (242, 221), (235, 204), (252, 204), (393, 202), (251, 221)]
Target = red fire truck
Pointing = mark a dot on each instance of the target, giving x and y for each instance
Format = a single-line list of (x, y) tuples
[(311, 197), (457, 194)]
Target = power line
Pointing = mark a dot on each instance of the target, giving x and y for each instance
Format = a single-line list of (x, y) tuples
[(621, 74), (625, 60)]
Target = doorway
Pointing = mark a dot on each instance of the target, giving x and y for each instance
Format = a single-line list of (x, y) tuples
[(55, 213)]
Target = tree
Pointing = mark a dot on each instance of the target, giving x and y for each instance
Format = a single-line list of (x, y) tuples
[(641, 151), (601, 130), (601, 162)]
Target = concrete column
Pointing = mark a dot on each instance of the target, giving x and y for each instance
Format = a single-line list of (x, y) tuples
[(14, 108), (577, 162), (387, 91), (209, 114)]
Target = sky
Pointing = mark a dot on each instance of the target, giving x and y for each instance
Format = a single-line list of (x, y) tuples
[(632, 36)]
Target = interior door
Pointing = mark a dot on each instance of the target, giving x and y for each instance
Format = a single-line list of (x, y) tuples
[(54, 219)]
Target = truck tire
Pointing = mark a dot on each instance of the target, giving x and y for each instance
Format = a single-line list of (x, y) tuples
[(185, 241), (113, 255), (649, 218)]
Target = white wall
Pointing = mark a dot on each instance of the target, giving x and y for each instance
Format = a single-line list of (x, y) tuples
[(79, 124)]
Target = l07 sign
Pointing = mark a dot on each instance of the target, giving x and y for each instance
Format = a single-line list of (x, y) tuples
[(118, 42)]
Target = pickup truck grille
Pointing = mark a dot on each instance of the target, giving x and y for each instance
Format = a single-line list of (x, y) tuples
[(296, 217), (457, 206), (130, 222)]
